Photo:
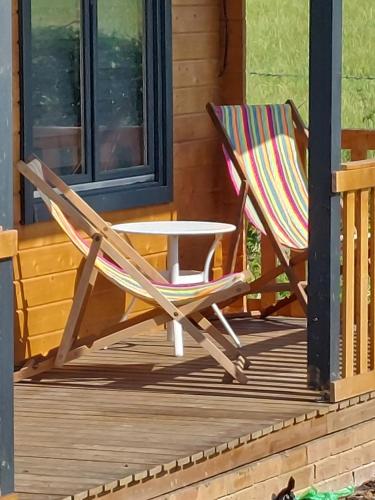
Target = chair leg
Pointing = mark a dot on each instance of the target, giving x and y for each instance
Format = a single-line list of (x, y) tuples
[(301, 295), (295, 284), (278, 305), (148, 322), (206, 325), (85, 286), (233, 369), (298, 291), (151, 320), (230, 350), (243, 194)]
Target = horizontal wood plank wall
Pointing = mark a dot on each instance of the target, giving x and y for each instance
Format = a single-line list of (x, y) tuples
[(202, 190), (47, 264), (232, 91)]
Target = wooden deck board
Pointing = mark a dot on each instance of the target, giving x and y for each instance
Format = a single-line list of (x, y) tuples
[(135, 406)]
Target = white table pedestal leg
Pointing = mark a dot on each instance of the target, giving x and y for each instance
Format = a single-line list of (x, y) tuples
[(174, 329)]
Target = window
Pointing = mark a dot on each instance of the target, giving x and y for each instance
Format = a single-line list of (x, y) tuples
[(96, 99)]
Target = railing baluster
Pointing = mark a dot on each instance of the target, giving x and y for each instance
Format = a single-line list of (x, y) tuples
[(362, 280), (348, 283), (358, 153)]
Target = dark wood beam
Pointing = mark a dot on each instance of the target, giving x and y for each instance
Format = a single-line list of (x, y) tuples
[(6, 274), (324, 210)]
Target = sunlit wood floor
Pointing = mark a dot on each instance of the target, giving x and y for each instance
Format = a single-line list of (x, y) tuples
[(135, 406)]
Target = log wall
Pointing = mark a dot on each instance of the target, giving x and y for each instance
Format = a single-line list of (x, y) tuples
[(47, 264)]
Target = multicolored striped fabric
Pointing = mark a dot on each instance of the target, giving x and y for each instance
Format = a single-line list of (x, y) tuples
[(263, 140), (179, 294)]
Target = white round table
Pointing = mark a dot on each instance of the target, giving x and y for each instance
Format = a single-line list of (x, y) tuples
[(173, 230)]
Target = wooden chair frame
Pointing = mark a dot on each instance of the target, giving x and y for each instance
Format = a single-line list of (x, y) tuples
[(106, 240), (287, 263)]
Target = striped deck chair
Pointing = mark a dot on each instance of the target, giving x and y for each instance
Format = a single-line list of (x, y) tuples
[(106, 252), (264, 164)]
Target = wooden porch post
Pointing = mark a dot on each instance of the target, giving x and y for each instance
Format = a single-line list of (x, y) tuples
[(6, 274), (324, 210)]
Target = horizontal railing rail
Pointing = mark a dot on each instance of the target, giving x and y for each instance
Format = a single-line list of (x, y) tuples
[(359, 142)]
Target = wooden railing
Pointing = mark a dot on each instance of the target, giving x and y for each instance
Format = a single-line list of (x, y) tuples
[(359, 143), (356, 183)]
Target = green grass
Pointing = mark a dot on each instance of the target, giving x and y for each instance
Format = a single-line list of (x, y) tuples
[(277, 44), (277, 65)]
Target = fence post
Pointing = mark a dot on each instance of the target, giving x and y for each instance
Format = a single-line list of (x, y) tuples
[(324, 206)]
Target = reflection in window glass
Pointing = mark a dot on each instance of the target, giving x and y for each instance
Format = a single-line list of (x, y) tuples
[(119, 85), (56, 84)]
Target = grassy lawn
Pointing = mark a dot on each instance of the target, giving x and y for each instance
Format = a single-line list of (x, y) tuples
[(277, 65), (277, 56)]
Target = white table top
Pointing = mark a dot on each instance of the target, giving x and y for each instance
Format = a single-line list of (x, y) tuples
[(175, 228)]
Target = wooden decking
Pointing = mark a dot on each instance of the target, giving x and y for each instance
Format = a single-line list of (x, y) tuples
[(116, 414)]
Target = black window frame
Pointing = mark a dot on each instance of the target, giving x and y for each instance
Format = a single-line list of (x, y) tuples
[(158, 115)]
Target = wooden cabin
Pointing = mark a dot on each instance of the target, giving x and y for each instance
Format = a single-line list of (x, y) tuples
[(93, 430), (191, 182)]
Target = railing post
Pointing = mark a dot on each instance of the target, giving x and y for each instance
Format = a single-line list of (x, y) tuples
[(6, 275), (324, 209)]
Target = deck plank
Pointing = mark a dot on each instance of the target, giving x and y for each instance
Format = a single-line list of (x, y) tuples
[(37, 496), (134, 406)]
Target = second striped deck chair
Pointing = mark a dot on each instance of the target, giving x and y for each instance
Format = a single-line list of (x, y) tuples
[(106, 252), (265, 167)]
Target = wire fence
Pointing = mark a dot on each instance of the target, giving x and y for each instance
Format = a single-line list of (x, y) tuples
[(291, 75)]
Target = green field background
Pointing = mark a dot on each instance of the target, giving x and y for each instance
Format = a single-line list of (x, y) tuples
[(277, 48), (277, 57)]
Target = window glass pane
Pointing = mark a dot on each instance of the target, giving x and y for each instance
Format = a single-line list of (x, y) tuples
[(120, 133), (56, 84)]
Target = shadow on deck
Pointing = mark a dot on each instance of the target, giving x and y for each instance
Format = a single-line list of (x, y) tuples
[(134, 410)]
